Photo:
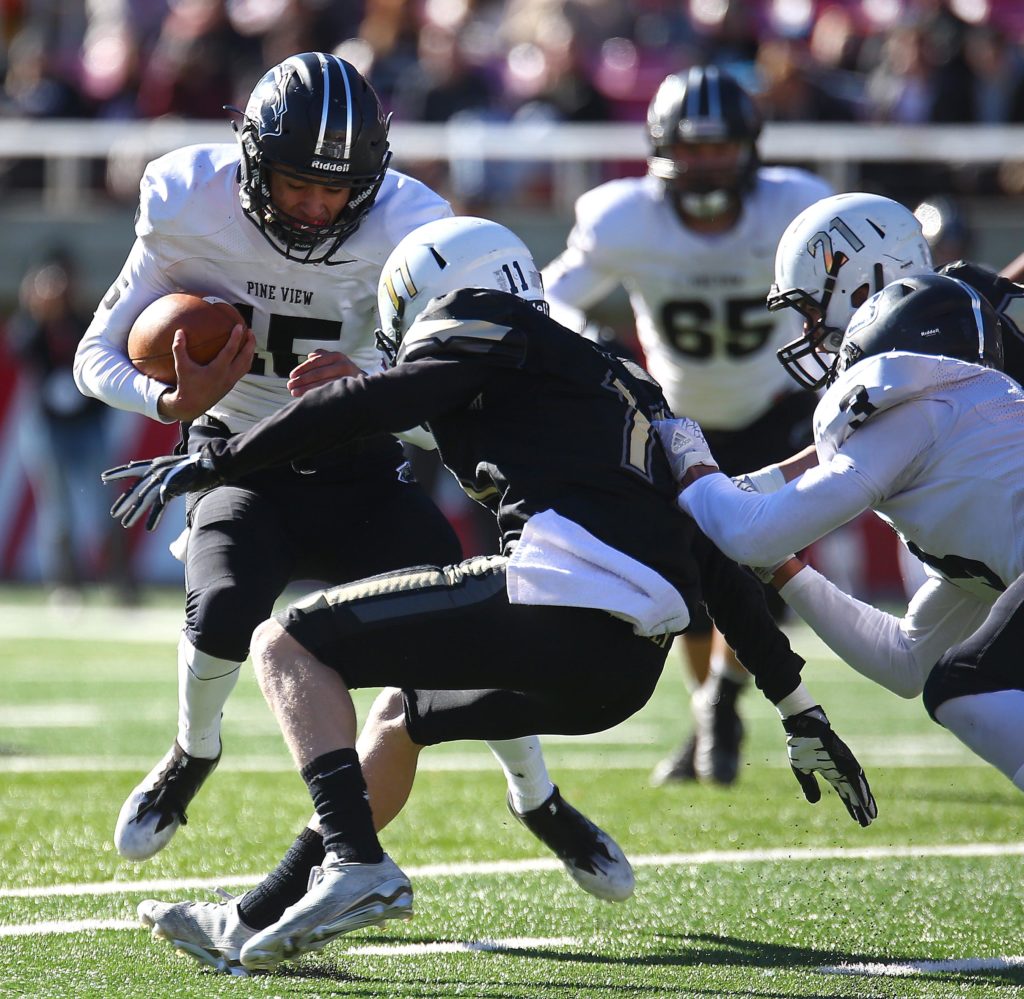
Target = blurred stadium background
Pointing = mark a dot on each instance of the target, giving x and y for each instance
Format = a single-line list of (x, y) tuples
[(511, 109)]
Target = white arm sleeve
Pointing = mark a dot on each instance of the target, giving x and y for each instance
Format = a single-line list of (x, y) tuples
[(759, 529), (764, 529), (897, 653)]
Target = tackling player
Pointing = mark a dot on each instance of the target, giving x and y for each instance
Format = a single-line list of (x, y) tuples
[(919, 424), (566, 631), (291, 225), (693, 243)]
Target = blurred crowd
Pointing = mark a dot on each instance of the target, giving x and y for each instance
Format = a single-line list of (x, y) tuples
[(534, 61), (578, 60)]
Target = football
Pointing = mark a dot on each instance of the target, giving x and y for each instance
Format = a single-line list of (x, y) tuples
[(207, 323)]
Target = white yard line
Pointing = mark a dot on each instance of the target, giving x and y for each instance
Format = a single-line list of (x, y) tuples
[(478, 868), (904, 969), (512, 944)]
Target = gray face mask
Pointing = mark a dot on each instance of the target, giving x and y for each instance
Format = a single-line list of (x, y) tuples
[(706, 205)]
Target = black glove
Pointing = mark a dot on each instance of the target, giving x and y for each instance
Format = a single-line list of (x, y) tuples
[(815, 749), (160, 480)]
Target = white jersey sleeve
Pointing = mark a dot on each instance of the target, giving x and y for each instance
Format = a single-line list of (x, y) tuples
[(102, 368), (897, 653), (759, 529), (959, 502), (193, 236), (588, 269)]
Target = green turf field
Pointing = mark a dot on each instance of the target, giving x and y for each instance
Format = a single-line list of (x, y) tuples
[(742, 892)]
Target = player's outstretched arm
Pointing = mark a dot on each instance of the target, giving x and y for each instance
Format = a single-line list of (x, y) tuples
[(737, 606), (159, 481)]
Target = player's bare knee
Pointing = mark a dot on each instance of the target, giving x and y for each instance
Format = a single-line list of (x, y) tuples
[(269, 654), (386, 716)]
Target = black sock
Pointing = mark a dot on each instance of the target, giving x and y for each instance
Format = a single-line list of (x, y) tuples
[(285, 884), (335, 782)]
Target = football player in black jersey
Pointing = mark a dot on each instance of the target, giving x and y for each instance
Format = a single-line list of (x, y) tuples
[(291, 224), (565, 631)]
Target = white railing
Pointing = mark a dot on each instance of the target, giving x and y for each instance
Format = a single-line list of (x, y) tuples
[(835, 150)]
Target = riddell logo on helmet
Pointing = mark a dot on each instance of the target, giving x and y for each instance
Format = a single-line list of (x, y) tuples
[(328, 165)]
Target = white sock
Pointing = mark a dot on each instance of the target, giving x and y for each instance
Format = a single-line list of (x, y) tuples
[(525, 771), (992, 725), (204, 685), (726, 667)]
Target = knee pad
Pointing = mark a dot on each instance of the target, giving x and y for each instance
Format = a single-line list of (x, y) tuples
[(220, 620)]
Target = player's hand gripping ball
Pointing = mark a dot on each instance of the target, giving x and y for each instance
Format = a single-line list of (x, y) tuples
[(207, 323)]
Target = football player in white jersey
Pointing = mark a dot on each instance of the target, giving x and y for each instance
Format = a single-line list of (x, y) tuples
[(693, 243), (292, 226), (919, 424)]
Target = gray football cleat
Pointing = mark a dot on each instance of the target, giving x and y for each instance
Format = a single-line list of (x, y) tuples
[(211, 932), (342, 897), (592, 858), (156, 807), (680, 766)]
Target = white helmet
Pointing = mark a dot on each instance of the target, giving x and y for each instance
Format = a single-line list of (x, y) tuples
[(448, 255), (832, 257)]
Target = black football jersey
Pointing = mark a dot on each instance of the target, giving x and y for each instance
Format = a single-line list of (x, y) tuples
[(529, 416), (550, 421)]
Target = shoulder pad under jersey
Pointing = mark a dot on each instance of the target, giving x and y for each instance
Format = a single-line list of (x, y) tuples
[(402, 205), (464, 324), (879, 383), (189, 192)]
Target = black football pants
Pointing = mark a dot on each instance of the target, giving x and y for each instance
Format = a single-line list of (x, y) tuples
[(470, 664), (247, 543)]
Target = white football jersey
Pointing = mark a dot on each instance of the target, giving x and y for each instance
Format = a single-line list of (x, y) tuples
[(191, 235), (942, 441), (933, 445), (699, 300)]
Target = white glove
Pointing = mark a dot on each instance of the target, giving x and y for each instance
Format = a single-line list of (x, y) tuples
[(684, 445)]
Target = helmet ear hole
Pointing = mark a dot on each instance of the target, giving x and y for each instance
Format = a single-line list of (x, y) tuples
[(860, 295)]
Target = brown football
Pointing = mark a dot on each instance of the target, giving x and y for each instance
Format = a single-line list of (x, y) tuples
[(207, 324)]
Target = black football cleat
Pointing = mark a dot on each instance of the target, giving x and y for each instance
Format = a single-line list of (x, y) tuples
[(156, 807), (591, 857)]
